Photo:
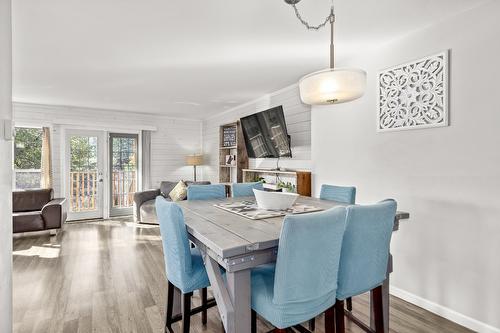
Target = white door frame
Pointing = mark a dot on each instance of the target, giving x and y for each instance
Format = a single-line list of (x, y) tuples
[(102, 172), (106, 192)]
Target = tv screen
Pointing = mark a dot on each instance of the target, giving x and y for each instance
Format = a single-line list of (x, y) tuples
[(266, 135)]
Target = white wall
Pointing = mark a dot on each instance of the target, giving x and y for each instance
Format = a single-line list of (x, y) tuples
[(447, 254), (298, 122), (171, 139), (5, 169)]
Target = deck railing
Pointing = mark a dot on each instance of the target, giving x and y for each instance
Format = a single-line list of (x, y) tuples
[(84, 190), (123, 188)]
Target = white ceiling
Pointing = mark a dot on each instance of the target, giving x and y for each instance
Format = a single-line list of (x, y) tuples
[(191, 58)]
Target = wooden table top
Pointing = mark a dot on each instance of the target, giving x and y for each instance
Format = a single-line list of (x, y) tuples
[(227, 234)]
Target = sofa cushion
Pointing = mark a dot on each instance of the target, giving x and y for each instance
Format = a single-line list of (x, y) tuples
[(30, 200), (27, 221), (204, 182), (179, 192), (166, 187)]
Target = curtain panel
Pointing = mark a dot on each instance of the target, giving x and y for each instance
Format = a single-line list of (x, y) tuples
[(46, 178), (146, 160)]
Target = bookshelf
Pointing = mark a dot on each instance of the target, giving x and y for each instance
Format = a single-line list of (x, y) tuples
[(231, 143)]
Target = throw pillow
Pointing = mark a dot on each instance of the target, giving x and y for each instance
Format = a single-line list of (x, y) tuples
[(179, 192), (166, 187)]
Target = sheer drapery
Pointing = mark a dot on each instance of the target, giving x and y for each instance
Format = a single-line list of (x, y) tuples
[(46, 178), (146, 159)]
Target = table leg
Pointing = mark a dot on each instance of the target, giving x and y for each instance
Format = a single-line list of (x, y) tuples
[(238, 284), (385, 299)]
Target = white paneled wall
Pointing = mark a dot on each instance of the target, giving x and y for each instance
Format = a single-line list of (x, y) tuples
[(298, 121), (171, 140)]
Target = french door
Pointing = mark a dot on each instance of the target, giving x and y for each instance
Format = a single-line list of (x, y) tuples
[(123, 162), (84, 168)]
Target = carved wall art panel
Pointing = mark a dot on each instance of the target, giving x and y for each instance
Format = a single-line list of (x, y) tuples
[(414, 95)]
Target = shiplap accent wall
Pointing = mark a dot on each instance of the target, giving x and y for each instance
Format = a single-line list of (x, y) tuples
[(298, 121), (171, 140)]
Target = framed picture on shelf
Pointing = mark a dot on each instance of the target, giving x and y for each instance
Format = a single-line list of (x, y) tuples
[(231, 160), (229, 136)]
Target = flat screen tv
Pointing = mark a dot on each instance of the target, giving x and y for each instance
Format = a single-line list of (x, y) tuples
[(266, 135)]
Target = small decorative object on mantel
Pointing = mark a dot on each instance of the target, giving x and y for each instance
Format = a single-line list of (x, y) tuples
[(229, 136), (414, 95)]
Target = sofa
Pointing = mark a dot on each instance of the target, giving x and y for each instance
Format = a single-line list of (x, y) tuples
[(37, 210), (144, 202)]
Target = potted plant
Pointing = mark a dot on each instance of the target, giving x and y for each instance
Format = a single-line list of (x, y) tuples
[(286, 187)]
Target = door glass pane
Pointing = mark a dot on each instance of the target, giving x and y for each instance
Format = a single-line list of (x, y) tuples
[(83, 173), (124, 171)]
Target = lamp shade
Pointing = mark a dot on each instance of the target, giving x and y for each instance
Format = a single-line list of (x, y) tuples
[(332, 86), (194, 160)]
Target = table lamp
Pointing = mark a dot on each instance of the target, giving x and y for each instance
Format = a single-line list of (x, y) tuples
[(194, 160)]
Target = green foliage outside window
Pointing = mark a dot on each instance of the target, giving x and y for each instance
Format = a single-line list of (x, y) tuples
[(83, 153), (28, 148)]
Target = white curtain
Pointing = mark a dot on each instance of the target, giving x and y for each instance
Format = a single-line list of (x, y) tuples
[(46, 178), (146, 160)]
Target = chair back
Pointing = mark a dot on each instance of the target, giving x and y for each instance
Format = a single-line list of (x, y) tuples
[(206, 192), (343, 194), (176, 249), (245, 189), (308, 256), (365, 249)]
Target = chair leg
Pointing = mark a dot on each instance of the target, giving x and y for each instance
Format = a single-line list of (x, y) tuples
[(330, 320), (339, 317), (204, 305), (186, 312), (170, 306), (349, 304), (253, 328), (378, 309), (312, 324)]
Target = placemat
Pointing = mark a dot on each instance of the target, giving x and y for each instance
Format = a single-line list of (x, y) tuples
[(250, 210)]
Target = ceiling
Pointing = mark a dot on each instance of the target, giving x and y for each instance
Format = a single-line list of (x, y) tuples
[(191, 58)]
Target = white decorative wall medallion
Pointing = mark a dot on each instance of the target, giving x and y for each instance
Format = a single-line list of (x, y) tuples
[(414, 95)]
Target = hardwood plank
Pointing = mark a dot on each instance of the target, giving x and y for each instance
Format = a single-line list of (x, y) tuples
[(92, 263)]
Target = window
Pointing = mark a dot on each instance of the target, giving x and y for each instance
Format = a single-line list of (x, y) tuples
[(27, 157)]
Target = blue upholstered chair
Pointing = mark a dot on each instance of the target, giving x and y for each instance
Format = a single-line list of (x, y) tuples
[(303, 283), (184, 265), (245, 189), (343, 194), (206, 192), (364, 257)]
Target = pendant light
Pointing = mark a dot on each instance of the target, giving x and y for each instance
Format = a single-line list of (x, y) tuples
[(331, 85)]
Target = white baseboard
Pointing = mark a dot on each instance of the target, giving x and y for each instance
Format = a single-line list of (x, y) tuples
[(444, 312)]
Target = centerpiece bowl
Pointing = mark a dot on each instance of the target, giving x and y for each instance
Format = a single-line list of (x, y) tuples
[(275, 200)]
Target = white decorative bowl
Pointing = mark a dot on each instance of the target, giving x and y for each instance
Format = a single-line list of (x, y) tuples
[(274, 200)]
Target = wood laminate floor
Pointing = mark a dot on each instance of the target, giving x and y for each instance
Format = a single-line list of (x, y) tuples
[(109, 276)]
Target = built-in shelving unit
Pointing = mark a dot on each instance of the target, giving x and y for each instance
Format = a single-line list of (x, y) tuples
[(231, 142)]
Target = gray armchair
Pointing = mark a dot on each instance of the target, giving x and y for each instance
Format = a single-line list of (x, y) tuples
[(144, 202)]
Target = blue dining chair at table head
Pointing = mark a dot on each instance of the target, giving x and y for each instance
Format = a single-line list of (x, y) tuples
[(303, 283), (206, 192), (245, 189), (365, 255), (342, 194), (184, 265)]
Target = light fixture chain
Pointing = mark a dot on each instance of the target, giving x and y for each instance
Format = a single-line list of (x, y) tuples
[(330, 18)]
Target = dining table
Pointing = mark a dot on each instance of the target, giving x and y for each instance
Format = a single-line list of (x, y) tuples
[(238, 244)]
